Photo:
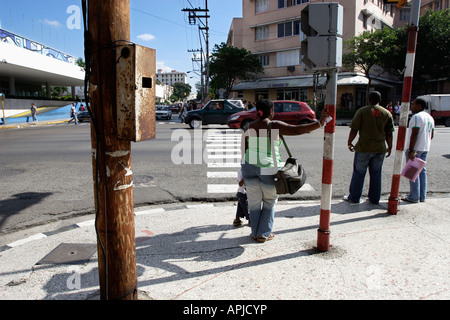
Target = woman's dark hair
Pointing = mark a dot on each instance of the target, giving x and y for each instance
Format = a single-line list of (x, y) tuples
[(263, 108)]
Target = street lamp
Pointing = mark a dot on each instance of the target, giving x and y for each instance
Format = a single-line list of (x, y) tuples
[(202, 85)]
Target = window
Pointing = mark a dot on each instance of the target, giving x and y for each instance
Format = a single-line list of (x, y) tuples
[(290, 3), (289, 28), (262, 32), (297, 27), (296, 94), (438, 5), (261, 6), (288, 58), (264, 59), (404, 14)]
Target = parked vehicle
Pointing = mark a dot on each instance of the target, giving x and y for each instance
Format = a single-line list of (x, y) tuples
[(292, 112), (163, 112), (175, 108), (84, 116), (214, 112), (438, 106)]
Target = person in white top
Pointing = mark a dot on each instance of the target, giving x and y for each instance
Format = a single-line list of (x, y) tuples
[(421, 131)]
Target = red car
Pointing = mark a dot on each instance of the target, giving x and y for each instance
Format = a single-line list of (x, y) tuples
[(292, 112)]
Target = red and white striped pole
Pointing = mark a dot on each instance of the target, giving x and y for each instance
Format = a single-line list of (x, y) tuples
[(323, 233), (406, 98)]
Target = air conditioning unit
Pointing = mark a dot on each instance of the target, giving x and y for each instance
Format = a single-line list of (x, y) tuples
[(291, 68)]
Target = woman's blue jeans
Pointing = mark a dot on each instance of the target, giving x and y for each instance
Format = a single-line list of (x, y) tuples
[(362, 162), (262, 196), (418, 188)]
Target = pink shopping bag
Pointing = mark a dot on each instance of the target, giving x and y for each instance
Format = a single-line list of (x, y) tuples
[(412, 168)]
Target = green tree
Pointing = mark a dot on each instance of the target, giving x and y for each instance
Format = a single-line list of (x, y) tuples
[(181, 90), (80, 62), (387, 49), (229, 63), (371, 49), (433, 46)]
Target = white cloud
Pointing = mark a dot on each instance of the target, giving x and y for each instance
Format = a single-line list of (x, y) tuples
[(53, 23), (161, 65), (146, 37)]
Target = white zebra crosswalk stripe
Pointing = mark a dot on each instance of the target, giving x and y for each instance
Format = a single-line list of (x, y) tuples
[(222, 188), (221, 174), (224, 152), (224, 165)]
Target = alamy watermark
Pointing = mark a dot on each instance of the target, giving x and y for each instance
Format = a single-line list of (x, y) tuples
[(74, 280), (74, 19), (220, 149)]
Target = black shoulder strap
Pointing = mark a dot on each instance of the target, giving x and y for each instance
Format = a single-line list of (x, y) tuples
[(281, 137)]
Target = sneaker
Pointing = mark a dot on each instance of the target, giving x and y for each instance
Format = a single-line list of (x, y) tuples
[(346, 198)]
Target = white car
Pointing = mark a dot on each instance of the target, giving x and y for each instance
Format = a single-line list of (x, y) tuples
[(163, 112)]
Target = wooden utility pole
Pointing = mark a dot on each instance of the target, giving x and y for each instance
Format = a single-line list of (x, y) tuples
[(109, 23)]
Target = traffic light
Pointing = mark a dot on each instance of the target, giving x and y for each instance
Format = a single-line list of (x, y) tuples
[(321, 23)]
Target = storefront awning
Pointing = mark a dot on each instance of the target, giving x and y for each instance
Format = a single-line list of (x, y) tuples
[(304, 82)]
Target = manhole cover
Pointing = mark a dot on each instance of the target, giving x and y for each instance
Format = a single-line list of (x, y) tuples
[(10, 172), (70, 253)]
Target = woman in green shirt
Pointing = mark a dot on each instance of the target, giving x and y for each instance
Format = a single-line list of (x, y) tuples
[(258, 168)]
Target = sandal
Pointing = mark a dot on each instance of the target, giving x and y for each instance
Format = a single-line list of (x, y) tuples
[(262, 239), (237, 222)]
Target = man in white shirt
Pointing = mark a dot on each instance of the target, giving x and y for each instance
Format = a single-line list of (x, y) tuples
[(421, 131)]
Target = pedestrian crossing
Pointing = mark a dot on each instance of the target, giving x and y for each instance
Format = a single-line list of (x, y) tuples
[(223, 147)]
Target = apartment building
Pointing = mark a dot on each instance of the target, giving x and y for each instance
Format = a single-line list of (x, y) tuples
[(172, 77), (434, 5), (271, 30), (403, 14)]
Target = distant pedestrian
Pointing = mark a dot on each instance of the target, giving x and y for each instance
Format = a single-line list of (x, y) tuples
[(73, 114), (421, 131), (242, 207), (390, 108), (33, 112), (375, 126), (397, 108)]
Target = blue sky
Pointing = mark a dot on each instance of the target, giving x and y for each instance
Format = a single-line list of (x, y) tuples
[(157, 24)]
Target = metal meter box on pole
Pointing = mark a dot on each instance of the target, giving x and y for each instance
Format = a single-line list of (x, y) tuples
[(135, 92), (321, 23)]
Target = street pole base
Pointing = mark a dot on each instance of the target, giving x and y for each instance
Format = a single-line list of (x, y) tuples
[(323, 240), (392, 205)]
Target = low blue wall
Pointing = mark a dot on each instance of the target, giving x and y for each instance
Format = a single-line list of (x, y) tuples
[(52, 114)]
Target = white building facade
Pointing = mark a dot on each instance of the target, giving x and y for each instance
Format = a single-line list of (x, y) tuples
[(172, 77)]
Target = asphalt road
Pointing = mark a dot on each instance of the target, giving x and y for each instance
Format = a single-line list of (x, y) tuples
[(46, 171)]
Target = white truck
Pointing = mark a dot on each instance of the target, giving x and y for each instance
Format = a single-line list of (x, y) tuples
[(438, 105)]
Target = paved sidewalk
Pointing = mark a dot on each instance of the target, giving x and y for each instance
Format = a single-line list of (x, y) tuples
[(192, 252)]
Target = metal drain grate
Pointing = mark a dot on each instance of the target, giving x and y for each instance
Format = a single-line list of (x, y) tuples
[(69, 253), (10, 172)]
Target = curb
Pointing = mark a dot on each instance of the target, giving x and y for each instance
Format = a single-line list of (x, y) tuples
[(138, 212)]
